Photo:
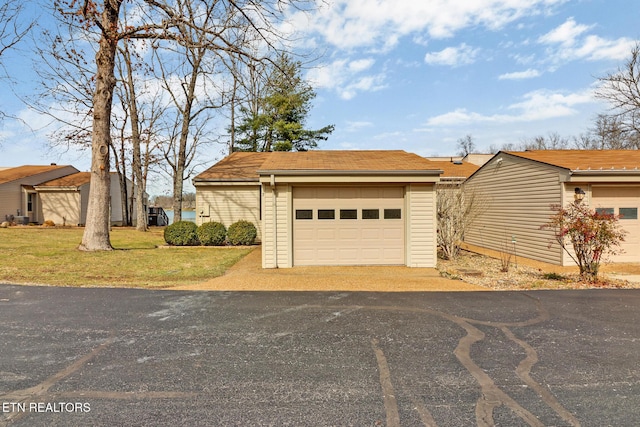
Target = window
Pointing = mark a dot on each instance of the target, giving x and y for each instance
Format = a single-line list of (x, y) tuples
[(30, 202), (628, 213), (326, 214), (370, 213), (604, 211), (348, 214), (392, 213), (304, 214)]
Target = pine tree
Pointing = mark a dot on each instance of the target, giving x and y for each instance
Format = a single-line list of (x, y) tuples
[(276, 121)]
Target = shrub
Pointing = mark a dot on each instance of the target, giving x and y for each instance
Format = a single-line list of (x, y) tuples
[(49, 223), (181, 233), (212, 234), (242, 233), (591, 234)]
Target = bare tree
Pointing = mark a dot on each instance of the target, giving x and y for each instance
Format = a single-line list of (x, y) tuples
[(466, 145), (12, 31), (621, 89), (456, 210), (156, 20)]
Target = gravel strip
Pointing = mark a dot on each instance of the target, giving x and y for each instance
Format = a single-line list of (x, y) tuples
[(488, 272)]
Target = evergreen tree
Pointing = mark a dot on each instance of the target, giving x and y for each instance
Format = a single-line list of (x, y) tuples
[(275, 121)]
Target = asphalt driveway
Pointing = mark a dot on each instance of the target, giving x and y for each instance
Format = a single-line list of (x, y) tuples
[(104, 357)]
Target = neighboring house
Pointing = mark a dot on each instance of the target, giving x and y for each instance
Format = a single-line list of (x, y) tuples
[(520, 188), (477, 159), (34, 194), (18, 197), (455, 172), (64, 200), (328, 207)]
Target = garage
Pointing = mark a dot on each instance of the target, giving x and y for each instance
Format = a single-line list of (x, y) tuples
[(348, 225), (348, 208), (623, 201)]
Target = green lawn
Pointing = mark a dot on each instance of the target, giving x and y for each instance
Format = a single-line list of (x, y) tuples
[(34, 255)]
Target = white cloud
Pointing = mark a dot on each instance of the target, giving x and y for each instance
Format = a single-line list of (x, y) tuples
[(565, 34), (345, 77), (520, 75), (352, 126), (570, 42), (536, 105), (348, 24), (453, 56)]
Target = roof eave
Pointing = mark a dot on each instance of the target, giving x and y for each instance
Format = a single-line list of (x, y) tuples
[(325, 172)]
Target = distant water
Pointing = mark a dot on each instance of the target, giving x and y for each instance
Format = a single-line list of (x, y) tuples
[(186, 215)]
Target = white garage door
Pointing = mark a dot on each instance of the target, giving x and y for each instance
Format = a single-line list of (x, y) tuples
[(623, 201), (348, 226)]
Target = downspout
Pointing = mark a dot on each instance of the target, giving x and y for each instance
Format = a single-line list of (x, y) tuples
[(274, 192)]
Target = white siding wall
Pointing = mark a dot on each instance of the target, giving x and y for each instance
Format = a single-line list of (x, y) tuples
[(518, 196), (229, 203), (276, 232), (421, 228)]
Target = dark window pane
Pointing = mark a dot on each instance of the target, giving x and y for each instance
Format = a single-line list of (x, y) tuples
[(370, 213), (326, 214), (304, 214), (392, 213), (628, 213), (607, 211), (348, 214)]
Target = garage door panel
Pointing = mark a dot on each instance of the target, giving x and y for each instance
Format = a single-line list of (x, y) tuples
[(349, 241), (627, 197)]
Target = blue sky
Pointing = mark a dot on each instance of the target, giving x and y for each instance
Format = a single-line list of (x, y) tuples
[(419, 75)]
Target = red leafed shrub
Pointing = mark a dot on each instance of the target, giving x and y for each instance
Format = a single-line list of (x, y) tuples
[(591, 234)]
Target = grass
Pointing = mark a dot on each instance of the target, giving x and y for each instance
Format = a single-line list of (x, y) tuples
[(34, 255)]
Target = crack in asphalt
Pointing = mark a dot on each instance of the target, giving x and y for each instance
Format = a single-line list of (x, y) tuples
[(491, 396), (41, 390)]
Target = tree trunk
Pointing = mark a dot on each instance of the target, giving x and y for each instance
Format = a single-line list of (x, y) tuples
[(96, 233), (136, 163)]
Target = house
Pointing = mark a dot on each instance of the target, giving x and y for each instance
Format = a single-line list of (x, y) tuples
[(34, 194), (19, 200), (521, 187), (455, 172), (64, 200), (328, 207)]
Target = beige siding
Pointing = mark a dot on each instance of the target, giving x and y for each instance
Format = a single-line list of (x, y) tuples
[(12, 197), (228, 203), (421, 228), (518, 196), (276, 232), (61, 207), (10, 200)]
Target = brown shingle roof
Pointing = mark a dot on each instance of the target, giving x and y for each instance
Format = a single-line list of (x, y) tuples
[(584, 159), (237, 166), (456, 170), (246, 166), (73, 180), (334, 160), (20, 172)]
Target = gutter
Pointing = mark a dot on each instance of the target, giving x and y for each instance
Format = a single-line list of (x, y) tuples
[(324, 172)]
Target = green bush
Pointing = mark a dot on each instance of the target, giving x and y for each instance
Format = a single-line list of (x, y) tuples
[(242, 233), (212, 234), (181, 233)]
